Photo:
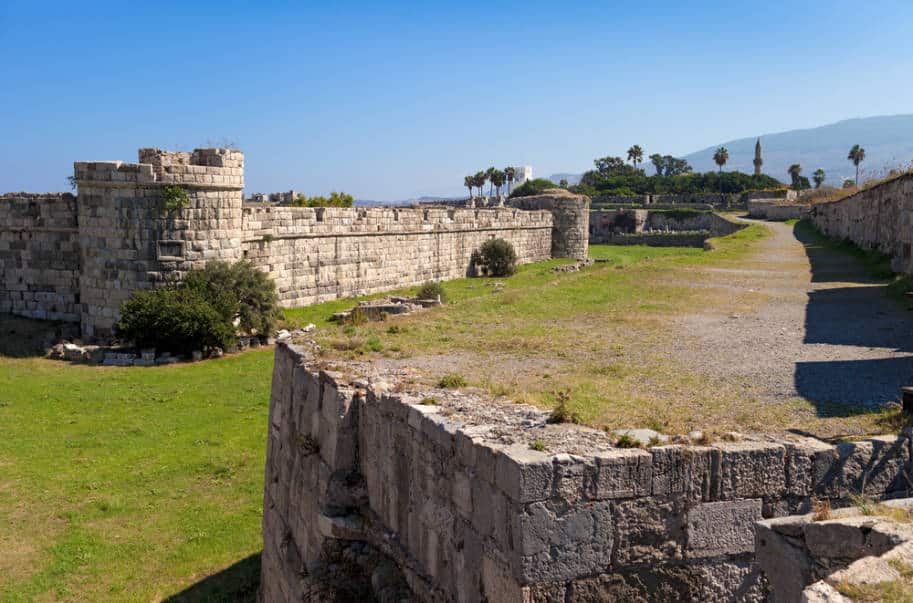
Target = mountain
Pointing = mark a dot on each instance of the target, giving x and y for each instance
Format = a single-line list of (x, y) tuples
[(887, 140)]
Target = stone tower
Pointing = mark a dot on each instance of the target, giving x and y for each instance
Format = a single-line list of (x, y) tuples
[(758, 162), (130, 239)]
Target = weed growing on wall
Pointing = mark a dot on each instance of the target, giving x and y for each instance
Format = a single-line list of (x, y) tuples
[(174, 198)]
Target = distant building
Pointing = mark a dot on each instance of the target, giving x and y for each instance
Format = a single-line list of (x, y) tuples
[(524, 173)]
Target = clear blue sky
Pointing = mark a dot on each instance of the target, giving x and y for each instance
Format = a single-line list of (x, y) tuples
[(390, 100)]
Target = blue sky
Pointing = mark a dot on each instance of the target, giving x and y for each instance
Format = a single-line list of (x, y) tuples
[(390, 100)]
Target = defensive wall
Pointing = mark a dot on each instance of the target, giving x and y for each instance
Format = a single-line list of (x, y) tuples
[(766, 209), (879, 218), (135, 225), (657, 228), (452, 497)]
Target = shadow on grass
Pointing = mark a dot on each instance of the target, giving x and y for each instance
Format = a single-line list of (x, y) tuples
[(29, 338), (237, 583)]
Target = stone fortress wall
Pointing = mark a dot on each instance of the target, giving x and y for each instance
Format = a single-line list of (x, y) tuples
[(468, 512), (657, 228), (879, 218), (318, 254), (39, 256), (78, 258)]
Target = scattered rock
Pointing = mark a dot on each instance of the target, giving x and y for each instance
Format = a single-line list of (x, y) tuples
[(283, 334), (310, 327), (644, 436)]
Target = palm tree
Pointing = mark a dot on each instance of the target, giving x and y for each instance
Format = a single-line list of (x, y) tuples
[(469, 182), (794, 171), (479, 179), (721, 156), (498, 178), (818, 177), (509, 173), (488, 174), (856, 155), (635, 155)]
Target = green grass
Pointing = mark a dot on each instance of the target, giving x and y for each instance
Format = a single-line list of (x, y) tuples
[(131, 484)]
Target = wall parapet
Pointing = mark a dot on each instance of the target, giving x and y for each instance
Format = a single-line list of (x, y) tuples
[(456, 497), (205, 168)]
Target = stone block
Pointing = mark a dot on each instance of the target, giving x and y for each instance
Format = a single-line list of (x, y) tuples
[(648, 530), (562, 542), (523, 474), (787, 567), (623, 473), (752, 470), (722, 528), (689, 471)]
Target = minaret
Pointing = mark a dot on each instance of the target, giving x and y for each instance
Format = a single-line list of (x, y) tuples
[(758, 162)]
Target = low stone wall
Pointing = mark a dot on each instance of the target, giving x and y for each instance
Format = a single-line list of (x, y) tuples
[(657, 228), (804, 557), (777, 210), (452, 493), (879, 218), (319, 254), (39, 256)]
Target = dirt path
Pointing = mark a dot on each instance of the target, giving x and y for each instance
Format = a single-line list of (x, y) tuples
[(822, 329)]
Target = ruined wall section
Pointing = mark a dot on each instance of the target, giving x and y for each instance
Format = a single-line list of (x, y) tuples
[(469, 512), (39, 256), (129, 240), (319, 254), (614, 227), (570, 223), (879, 218)]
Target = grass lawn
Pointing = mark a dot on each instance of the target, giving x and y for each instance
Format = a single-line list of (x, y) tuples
[(131, 484), (143, 484)]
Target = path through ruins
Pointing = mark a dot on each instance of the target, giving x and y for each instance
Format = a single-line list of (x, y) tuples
[(823, 330)]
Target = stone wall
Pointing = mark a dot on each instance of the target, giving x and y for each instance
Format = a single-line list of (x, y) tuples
[(570, 220), (646, 227), (318, 254), (39, 256), (454, 495), (879, 218), (80, 260), (129, 240), (777, 210)]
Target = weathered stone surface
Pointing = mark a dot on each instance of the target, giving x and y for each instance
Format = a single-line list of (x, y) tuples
[(562, 543), (722, 528), (623, 473), (524, 475)]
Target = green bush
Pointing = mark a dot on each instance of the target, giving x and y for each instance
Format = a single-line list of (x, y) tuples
[(432, 290), (174, 197), (238, 291), (498, 257), (533, 187), (173, 319)]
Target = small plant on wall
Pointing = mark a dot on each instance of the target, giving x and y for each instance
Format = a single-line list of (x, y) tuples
[(174, 198)]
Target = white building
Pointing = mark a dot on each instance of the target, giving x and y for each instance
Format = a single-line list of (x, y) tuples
[(524, 173)]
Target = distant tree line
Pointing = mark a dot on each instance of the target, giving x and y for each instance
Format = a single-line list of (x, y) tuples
[(334, 200), (494, 177), (613, 176)]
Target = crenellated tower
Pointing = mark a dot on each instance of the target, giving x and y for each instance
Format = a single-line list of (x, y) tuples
[(132, 238)]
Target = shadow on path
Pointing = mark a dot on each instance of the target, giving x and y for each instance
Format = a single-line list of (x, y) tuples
[(855, 312), (237, 583)]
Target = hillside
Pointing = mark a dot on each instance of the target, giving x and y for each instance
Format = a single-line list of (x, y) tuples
[(887, 140)]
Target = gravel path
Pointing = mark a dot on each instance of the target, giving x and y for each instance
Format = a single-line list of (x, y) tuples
[(821, 328)]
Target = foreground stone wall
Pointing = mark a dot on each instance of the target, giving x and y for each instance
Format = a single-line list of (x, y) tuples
[(879, 218), (319, 254), (467, 511), (39, 256)]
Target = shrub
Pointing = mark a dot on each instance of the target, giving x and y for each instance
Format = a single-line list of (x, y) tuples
[(174, 197), (538, 445), (238, 291), (533, 187), (562, 412), (432, 290), (627, 441), (498, 257), (178, 320), (452, 381)]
